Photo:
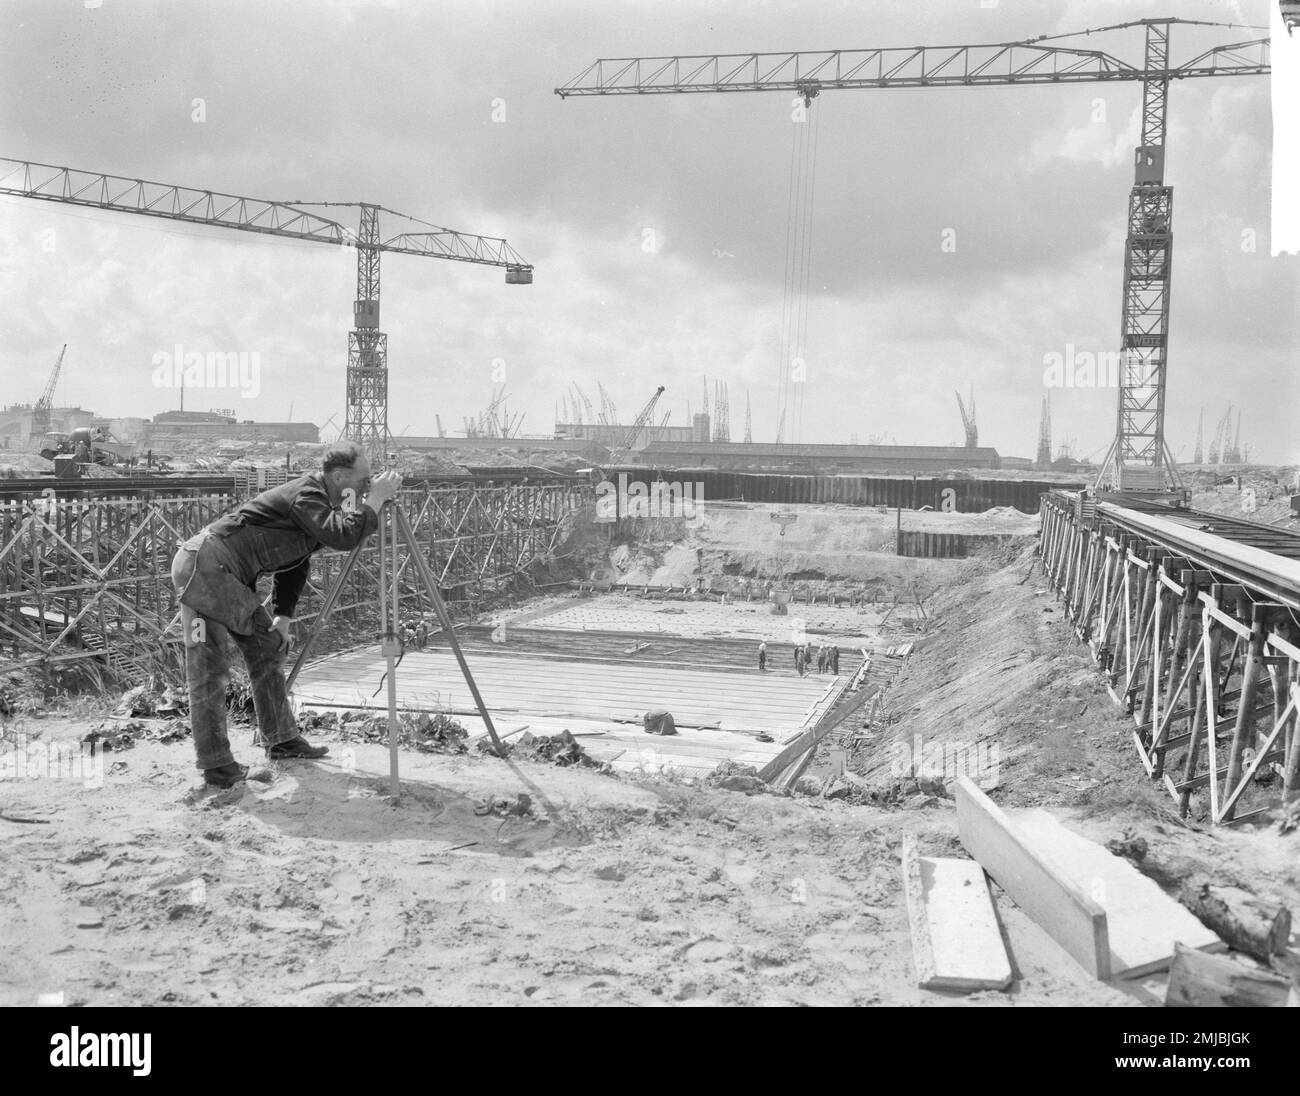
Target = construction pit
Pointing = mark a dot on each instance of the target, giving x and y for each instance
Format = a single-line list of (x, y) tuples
[(754, 857)]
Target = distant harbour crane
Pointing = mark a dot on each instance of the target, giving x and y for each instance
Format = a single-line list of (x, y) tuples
[(968, 420), (42, 407)]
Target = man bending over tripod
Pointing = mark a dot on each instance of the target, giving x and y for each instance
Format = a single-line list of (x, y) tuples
[(216, 573)]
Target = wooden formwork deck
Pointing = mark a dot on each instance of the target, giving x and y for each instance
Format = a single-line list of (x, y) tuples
[(719, 713)]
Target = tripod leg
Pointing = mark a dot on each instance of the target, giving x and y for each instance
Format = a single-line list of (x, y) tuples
[(388, 639), (331, 599), (444, 618)]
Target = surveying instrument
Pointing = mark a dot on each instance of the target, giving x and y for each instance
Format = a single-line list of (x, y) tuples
[(395, 527)]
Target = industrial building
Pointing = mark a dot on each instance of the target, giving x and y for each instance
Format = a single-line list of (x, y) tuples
[(177, 425), (16, 423)]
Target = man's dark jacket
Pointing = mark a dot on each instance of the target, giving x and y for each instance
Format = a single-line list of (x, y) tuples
[(277, 531)]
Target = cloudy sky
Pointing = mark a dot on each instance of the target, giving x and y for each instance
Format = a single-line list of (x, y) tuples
[(958, 236)]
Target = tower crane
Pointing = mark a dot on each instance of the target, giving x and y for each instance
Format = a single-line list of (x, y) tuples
[(41, 408), (1138, 459), (366, 420), (968, 420)]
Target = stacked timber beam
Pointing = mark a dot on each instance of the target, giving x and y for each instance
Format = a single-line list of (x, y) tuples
[(1192, 619)]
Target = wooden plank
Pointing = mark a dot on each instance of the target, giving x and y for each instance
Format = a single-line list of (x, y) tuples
[(473, 741), (1037, 886), (1142, 922), (787, 779), (956, 942), (1198, 980), (808, 740)]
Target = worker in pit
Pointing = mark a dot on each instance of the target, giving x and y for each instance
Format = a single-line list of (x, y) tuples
[(762, 654), (215, 573)]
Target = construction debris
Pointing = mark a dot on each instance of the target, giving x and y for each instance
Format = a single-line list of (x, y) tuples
[(115, 739), (519, 806), (560, 749), (736, 777), (151, 699), (114, 736), (434, 732)]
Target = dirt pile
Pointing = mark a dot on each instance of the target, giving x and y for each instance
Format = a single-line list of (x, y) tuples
[(998, 688)]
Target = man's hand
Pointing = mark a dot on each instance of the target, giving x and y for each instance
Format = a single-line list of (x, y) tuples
[(382, 488), (281, 624)]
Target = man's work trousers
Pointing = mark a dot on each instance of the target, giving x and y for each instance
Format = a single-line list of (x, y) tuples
[(207, 671)]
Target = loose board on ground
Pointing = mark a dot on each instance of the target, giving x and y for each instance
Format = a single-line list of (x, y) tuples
[(956, 942)]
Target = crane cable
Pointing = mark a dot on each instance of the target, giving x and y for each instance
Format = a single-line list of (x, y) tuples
[(797, 275), (782, 363), (810, 195)]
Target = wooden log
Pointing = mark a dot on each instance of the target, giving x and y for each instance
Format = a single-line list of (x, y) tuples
[(1247, 923), (1198, 980)]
